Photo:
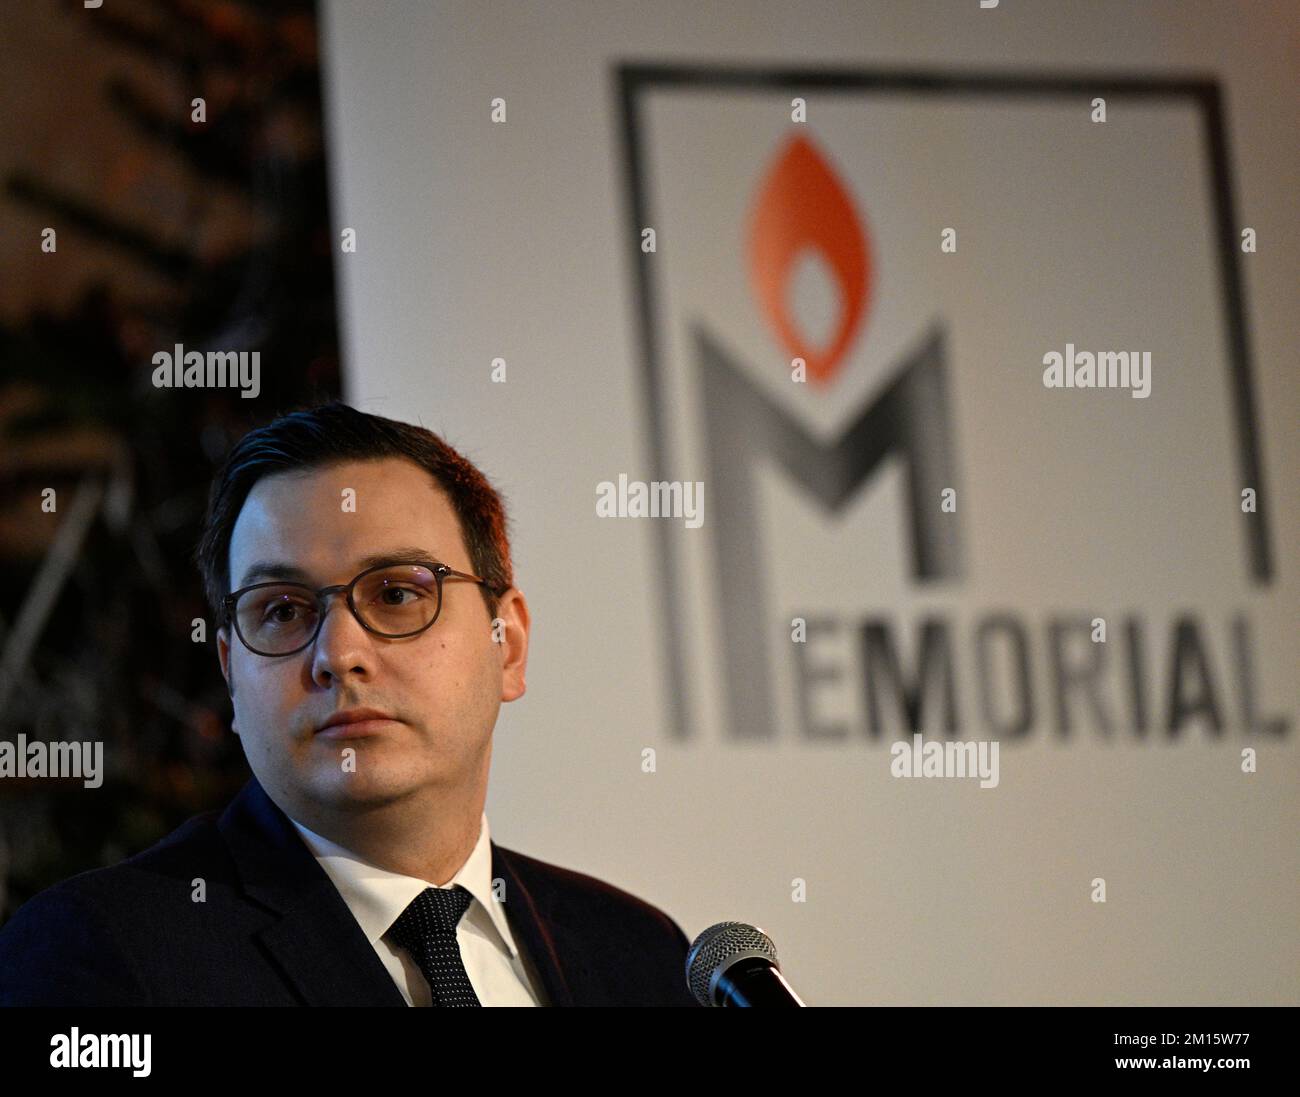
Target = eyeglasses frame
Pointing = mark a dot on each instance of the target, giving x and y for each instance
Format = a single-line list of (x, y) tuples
[(440, 571)]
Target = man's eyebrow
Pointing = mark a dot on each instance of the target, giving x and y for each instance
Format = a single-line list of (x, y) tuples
[(278, 570)]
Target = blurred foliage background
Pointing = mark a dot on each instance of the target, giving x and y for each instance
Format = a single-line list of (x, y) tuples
[(212, 234)]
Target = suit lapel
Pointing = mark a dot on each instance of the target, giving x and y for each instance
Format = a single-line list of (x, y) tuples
[(540, 936), (317, 943)]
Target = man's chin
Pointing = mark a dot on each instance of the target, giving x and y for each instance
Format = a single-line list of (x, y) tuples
[(359, 790), (368, 786)]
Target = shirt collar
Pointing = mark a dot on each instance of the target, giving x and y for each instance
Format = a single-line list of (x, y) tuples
[(377, 897)]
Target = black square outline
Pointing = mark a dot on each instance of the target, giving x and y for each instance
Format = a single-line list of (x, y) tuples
[(631, 78)]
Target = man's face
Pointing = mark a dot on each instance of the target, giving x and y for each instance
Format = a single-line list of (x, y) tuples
[(442, 688)]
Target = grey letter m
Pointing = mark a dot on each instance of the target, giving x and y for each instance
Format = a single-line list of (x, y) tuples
[(910, 418)]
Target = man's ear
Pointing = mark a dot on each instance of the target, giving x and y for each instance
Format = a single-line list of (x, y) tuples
[(223, 656), (513, 611)]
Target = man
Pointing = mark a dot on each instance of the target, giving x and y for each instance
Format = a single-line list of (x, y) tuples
[(369, 630)]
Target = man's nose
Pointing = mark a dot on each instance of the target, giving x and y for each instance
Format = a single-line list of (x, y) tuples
[(342, 645)]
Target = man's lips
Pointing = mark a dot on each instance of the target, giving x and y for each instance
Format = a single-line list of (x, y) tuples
[(354, 722)]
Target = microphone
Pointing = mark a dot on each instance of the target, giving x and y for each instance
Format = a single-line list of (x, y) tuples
[(734, 964)]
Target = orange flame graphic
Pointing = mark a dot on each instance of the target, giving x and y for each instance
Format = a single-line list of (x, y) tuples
[(802, 204)]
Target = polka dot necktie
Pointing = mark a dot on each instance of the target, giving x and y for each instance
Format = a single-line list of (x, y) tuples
[(427, 930)]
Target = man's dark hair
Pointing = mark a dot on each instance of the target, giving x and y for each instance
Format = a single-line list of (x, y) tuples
[(324, 435)]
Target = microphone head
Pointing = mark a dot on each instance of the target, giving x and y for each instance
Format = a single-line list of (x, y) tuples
[(717, 948)]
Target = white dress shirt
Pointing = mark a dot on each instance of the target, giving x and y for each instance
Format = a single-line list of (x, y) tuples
[(499, 973)]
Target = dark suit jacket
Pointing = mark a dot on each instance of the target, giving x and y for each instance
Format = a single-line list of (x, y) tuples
[(275, 931)]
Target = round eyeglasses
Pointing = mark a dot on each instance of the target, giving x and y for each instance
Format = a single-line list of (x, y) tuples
[(391, 600)]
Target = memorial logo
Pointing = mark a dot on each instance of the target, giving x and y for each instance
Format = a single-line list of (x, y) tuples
[(778, 623)]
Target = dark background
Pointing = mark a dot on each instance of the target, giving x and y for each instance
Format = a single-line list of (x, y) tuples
[(214, 235)]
